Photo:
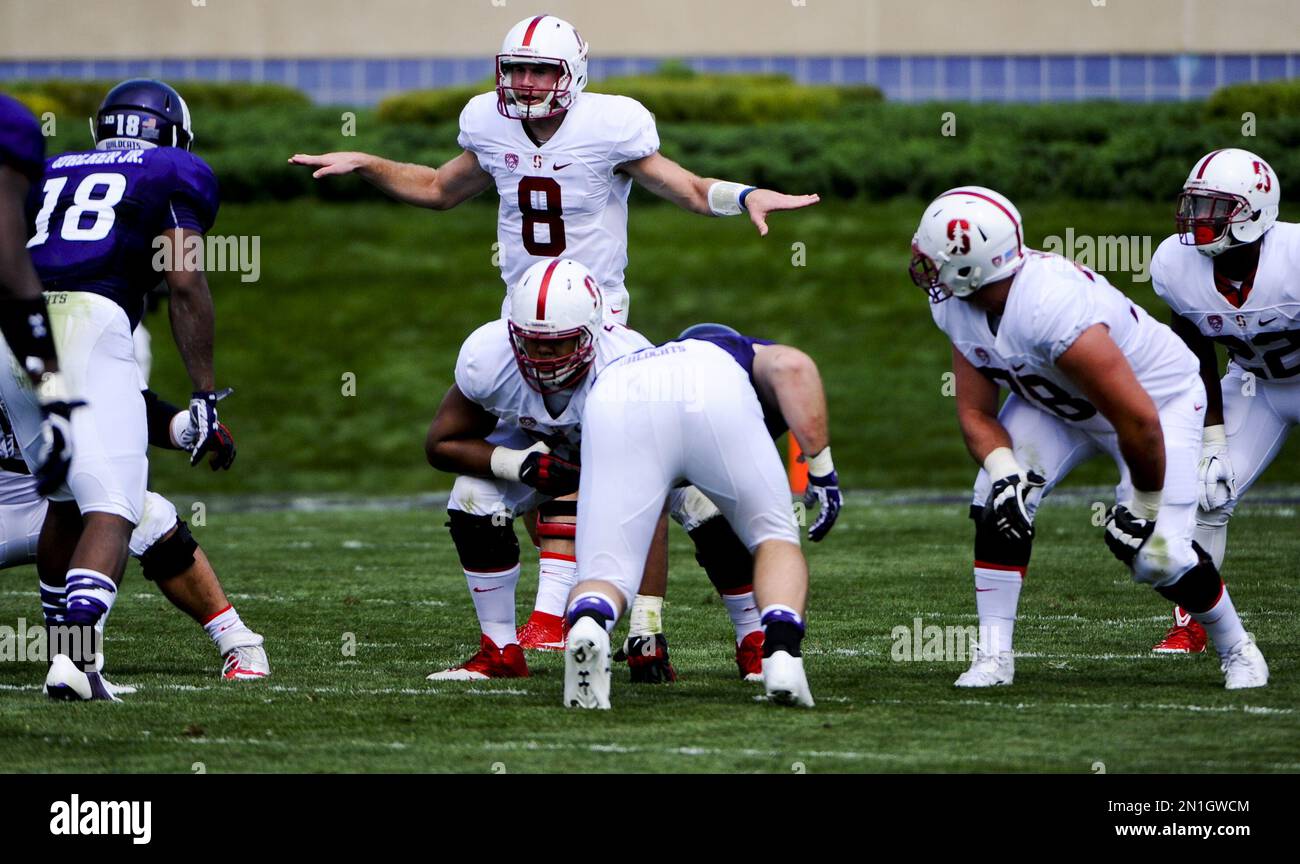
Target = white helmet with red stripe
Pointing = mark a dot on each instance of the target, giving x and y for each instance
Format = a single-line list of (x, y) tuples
[(1230, 198), (556, 313), (547, 41), (969, 236)]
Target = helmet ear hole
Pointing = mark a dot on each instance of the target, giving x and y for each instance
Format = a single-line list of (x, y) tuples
[(964, 272)]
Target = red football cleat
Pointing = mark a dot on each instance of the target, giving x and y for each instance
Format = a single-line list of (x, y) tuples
[(749, 656), (489, 662), (1185, 637), (543, 632)]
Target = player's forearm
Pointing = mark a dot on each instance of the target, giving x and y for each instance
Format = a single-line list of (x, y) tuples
[(472, 456), (1142, 444), (983, 433), (193, 328), (802, 400), (404, 181)]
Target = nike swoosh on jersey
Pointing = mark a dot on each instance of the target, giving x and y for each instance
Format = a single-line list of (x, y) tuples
[(556, 166), (485, 590), (1262, 322)]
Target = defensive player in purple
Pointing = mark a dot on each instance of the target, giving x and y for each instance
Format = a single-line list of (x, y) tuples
[(24, 320), (102, 218)]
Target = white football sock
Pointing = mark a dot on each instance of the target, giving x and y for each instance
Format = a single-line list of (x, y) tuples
[(556, 574), (997, 594), (227, 630), (1222, 624), (494, 601), (743, 610)]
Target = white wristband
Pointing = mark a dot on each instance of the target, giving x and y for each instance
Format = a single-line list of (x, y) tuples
[(1146, 505), (507, 463), (1215, 435), (821, 464), (1002, 463), (727, 198)]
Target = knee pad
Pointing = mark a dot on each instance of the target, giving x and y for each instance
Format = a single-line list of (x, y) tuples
[(723, 556), (691, 508), (483, 543), (993, 548), (170, 556), (557, 519), (1197, 590)]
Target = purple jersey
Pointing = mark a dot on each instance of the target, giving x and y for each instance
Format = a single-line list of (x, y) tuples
[(98, 213), (21, 145), (741, 349)]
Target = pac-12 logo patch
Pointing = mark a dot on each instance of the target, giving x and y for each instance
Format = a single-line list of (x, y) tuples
[(512, 161), (1216, 323), (527, 422), (982, 355)]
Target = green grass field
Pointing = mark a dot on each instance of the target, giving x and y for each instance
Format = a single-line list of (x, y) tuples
[(1086, 691)]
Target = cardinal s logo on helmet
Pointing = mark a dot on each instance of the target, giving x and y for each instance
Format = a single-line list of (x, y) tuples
[(969, 236), (541, 69), (556, 312), (1230, 199)]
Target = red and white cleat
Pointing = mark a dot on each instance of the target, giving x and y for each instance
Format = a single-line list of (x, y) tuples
[(1185, 637), (489, 662), (244, 658), (749, 657), (543, 632)]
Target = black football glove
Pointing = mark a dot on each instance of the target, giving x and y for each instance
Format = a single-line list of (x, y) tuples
[(204, 433), (1007, 508), (549, 474), (1126, 533), (647, 659)]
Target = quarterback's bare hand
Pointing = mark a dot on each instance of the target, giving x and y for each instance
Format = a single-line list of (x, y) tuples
[(329, 164), (760, 202)]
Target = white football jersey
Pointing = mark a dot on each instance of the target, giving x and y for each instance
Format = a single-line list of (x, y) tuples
[(487, 374), (1052, 301), (563, 198), (1263, 334)]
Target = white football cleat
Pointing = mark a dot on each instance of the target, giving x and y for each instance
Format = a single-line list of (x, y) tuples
[(785, 681), (65, 681), (246, 662), (989, 670), (1244, 667), (586, 666)]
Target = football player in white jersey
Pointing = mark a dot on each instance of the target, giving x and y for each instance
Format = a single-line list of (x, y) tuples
[(510, 428), (1089, 373), (1231, 274), (562, 161)]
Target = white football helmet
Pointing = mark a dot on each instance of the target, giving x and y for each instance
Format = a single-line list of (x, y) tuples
[(556, 301), (1230, 198), (969, 236), (546, 40)]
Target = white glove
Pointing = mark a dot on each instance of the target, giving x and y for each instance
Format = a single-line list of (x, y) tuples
[(1218, 483)]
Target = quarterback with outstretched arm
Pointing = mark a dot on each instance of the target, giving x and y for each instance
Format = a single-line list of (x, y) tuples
[(1231, 275), (1089, 373), (562, 161)]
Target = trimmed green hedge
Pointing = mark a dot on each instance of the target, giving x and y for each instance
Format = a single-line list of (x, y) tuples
[(675, 94), (1269, 101), (82, 98), (877, 150)]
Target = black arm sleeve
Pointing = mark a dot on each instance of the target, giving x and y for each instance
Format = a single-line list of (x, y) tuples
[(160, 413)]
